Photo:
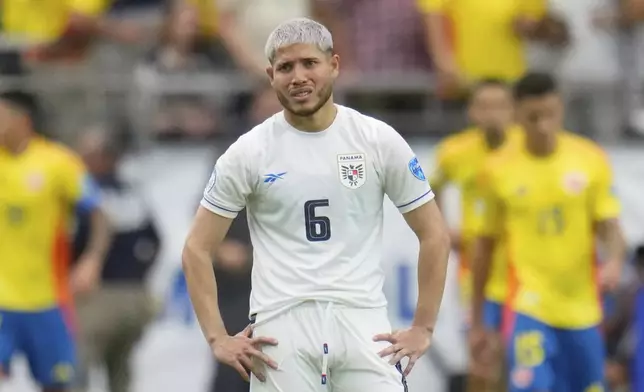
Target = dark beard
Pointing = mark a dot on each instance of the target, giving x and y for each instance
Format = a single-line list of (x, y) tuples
[(324, 95)]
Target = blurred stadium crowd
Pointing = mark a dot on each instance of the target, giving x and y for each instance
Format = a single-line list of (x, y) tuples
[(126, 77)]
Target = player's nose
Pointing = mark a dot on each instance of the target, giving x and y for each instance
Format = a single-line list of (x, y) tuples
[(299, 75)]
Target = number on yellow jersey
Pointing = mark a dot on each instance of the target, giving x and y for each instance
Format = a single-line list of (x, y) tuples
[(551, 221)]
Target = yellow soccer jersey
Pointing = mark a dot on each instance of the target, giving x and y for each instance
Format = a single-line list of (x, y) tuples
[(459, 159), (546, 208), (39, 189)]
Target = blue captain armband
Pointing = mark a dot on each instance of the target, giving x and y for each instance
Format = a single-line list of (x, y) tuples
[(90, 195)]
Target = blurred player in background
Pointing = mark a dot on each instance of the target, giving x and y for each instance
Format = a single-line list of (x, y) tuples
[(41, 183), (459, 160), (550, 198), (313, 178)]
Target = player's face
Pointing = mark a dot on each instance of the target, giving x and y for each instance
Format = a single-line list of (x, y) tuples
[(541, 116), (491, 108), (302, 77)]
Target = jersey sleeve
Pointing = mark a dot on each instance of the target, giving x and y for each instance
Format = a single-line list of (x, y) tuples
[(230, 183), (489, 204), (404, 180), (77, 186), (604, 202)]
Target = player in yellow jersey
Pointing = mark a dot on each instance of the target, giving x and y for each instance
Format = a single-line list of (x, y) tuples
[(550, 198), (41, 183), (459, 158)]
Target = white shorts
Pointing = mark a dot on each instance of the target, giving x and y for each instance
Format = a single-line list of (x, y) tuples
[(351, 363)]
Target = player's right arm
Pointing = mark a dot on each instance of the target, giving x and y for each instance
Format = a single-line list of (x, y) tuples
[(206, 234), (224, 197)]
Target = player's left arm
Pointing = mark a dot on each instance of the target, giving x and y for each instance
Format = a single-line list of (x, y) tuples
[(433, 236), (80, 191), (409, 190), (605, 209)]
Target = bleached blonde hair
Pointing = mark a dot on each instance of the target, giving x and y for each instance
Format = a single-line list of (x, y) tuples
[(298, 31)]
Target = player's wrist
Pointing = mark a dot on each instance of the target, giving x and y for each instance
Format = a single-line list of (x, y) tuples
[(216, 338), (429, 329)]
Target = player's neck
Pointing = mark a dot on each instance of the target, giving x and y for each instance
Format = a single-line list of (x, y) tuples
[(19, 144), (541, 146), (318, 121), (494, 139)]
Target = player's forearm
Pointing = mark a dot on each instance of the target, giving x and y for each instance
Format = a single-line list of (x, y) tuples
[(100, 236), (432, 271), (612, 240), (236, 43), (484, 248), (438, 41), (202, 287)]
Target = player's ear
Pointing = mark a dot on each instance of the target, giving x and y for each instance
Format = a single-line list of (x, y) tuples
[(335, 64), (270, 73)]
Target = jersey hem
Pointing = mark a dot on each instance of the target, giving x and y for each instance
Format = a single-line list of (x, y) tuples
[(417, 202), (553, 324), (222, 211)]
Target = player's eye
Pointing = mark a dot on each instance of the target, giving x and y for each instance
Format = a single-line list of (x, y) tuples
[(284, 68), (309, 63)]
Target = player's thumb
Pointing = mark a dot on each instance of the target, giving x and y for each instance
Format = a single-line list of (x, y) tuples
[(247, 332)]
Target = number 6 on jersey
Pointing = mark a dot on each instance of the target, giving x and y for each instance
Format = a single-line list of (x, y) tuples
[(318, 228)]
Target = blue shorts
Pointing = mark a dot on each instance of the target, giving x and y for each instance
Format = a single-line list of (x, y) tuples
[(493, 315), (543, 358), (45, 339)]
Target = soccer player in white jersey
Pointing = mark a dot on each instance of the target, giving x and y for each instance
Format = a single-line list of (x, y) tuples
[(313, 179)]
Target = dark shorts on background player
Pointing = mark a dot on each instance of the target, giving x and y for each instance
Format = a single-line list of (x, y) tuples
[(44, 337), (493, 315), (543, 358)]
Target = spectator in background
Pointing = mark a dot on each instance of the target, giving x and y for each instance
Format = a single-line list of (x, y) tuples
[(379, 40), (624, 328), (620, 20), (595, 62), (244, 26), (375, 36), (637, 342), (490, 45), (185, 47), (58, 29), (112, 319), (232, 266)]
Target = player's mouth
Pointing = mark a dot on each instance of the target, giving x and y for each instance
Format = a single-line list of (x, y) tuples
[(301, 94)]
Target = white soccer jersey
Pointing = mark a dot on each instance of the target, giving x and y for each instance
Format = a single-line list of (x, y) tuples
[(315, 206)]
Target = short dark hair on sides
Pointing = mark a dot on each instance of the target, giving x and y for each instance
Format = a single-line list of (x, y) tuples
[(489, 82), (482, 84), (25, 101), (534, 85)]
